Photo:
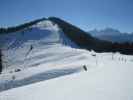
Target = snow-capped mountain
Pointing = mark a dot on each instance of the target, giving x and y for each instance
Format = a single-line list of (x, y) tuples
[(18, 46), (39, 52), (37, 57), (112, 35), (81, 38)]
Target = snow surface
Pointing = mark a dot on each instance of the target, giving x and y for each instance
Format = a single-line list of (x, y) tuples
[(45, 38), (112, 81), (49, 66)]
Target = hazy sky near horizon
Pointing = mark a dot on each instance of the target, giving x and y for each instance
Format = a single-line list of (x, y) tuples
[(86, 14)]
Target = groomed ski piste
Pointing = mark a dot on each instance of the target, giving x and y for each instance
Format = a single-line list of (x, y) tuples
[(40, 63)]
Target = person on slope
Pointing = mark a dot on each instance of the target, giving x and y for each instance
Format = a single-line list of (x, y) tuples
[(31, 48), (85, 68)]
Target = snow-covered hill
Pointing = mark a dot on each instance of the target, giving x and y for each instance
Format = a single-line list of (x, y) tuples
[(38, 53), (37, 59), (20, 49)]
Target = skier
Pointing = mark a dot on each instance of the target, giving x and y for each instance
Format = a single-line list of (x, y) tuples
[(85, 68), (31, 47)]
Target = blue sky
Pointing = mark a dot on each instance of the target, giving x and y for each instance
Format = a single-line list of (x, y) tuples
[(86, 14)]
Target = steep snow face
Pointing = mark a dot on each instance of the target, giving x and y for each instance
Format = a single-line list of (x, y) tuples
[(17, 47)]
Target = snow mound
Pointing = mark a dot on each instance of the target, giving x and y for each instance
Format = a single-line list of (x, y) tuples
[(17, 46)]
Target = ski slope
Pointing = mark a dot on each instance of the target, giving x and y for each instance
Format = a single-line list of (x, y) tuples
[(40, 63), (16, 47), (38, 53), (111, 81)]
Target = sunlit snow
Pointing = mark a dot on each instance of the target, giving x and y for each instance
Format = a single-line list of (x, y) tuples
[(42, 63)]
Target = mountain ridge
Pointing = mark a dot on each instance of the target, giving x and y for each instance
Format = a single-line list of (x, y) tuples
[(86, 41), (83, 39)]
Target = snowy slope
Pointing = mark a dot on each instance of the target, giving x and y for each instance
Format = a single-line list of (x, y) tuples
[(17, 46), (40, 52), (36, 61), (110, 80)]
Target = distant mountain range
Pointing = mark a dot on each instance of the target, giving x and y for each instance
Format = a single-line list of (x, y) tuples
[(112, 35)]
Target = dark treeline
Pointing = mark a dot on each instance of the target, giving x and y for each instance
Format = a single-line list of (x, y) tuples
[(86, 41), (20, 27)]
